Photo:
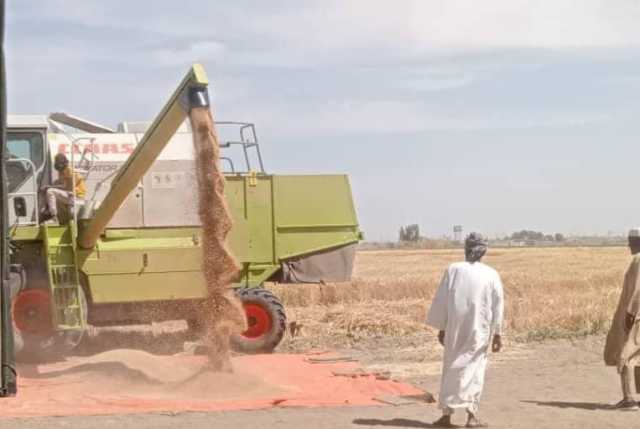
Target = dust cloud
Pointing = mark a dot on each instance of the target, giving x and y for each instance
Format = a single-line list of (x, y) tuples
[(145, 376)]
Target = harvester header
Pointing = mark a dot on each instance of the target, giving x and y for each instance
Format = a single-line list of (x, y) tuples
[(192, 92)]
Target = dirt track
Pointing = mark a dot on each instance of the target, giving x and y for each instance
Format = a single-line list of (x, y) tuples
[(556, 384)]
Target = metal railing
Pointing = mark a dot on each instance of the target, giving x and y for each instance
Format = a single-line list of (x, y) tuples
[(248, 140)]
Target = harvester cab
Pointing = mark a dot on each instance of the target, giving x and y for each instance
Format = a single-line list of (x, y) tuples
[(130, 250), (26, 167)]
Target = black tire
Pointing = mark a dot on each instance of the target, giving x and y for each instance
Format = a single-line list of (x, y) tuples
[(270, 305), (15, 287)]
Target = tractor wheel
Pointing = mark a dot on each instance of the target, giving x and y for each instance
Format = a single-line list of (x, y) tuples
[(266, 321), (31, 312)]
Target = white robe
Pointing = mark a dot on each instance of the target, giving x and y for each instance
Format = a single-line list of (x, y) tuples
[(468, 306)]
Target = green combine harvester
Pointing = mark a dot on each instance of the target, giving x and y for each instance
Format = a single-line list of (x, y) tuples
[(129, 251)]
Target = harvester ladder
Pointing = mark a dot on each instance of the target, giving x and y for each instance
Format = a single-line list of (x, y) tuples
[(63, 277)]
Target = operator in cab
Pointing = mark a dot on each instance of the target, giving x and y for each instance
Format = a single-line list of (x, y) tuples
[(62, 194)]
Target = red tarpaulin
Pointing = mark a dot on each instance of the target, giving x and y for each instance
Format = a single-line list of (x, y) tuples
[(128, 381)]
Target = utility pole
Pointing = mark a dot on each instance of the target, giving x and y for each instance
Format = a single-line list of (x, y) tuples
[(457, 233), (7, 356)]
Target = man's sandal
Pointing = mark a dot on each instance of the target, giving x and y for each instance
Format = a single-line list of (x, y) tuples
[(626, 405), (473, 422), (444, 422)]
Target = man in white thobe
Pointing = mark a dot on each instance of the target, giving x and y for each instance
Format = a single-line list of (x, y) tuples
[(467, 311)]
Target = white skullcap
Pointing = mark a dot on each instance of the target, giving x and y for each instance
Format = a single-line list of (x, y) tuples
[(634, 232)]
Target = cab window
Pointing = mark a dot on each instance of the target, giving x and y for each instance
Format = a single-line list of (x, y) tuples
[(23, 145), (27, 145)]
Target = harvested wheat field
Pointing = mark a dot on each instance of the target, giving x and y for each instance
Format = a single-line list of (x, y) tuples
[(550, 293)]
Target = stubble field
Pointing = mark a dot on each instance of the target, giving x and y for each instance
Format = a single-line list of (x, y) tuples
[(549, 292)]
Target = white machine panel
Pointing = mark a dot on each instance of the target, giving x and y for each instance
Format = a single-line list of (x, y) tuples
[(166, 196), (170, 194)]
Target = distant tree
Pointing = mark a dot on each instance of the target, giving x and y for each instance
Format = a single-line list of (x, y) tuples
[(410, 233), (548, 237), (527, 235), (559, 237)]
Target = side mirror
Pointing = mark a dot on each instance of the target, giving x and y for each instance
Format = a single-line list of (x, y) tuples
[(20, 206)]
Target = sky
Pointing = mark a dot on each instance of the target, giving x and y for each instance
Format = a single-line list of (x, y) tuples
[(498, 115)]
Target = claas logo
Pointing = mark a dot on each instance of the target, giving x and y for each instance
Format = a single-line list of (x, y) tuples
[(98, 148)]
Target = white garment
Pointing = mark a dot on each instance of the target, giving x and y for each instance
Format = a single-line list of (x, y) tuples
[(57, 196), (468, 306)]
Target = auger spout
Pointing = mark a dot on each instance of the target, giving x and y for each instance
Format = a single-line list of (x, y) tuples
[(192, 92)]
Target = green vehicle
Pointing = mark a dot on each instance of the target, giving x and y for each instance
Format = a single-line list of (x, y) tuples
[(129, 251)]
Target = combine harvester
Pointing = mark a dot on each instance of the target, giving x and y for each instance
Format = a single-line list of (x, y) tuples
[(131, 250)]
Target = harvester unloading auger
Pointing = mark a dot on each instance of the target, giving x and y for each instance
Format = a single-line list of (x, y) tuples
[(219, 313)]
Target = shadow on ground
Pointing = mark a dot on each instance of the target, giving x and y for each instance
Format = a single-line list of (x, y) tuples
[(397, 422), (589, 406), (163, 343), (112, 369)]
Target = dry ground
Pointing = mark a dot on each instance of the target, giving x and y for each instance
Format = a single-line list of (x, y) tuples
[(556, 384)]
